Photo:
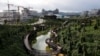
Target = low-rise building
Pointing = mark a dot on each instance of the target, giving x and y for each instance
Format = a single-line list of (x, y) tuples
[(28, 14), (94, 12), (1, 14), (60, 16), (84, 13), (50, 12)]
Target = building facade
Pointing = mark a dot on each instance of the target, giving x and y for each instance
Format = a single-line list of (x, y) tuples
[(10, 15), (28, 14), (84, 14), (93, 12), (50, 12)]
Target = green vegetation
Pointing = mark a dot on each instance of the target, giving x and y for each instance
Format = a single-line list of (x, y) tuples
[(33, 20), (11, 40), (80, 37), (28, 21), (50, 24), (54, 22), (43, 32)]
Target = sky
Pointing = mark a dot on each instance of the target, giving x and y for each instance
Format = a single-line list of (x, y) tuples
[(62, 5)]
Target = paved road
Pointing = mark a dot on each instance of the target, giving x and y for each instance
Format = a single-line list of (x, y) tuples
[(26, 42), (40, 21), (33, 51)]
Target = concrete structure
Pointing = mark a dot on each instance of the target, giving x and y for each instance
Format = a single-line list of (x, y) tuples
[(1, 14), (28, 14), (34, 13), (25, 14), (84, 13), (9, 15), (94, 12), (50, 12)]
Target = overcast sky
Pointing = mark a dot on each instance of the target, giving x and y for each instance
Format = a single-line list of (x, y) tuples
[(63, 5)]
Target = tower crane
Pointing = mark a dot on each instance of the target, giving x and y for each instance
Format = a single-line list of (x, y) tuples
[(18, 8)]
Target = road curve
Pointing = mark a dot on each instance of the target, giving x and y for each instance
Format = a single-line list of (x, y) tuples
[(26, 42), (32, 51), (40, 21)]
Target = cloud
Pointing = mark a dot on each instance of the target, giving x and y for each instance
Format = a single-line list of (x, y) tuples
[(63, 5)]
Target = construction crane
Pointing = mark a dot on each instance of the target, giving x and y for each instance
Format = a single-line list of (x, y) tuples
[(18, 8), (9, 5)]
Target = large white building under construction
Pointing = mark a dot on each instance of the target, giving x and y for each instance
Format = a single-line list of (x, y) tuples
[(9, 15)]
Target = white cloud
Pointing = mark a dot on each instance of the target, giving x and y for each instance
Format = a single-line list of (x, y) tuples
[(63, 5)]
